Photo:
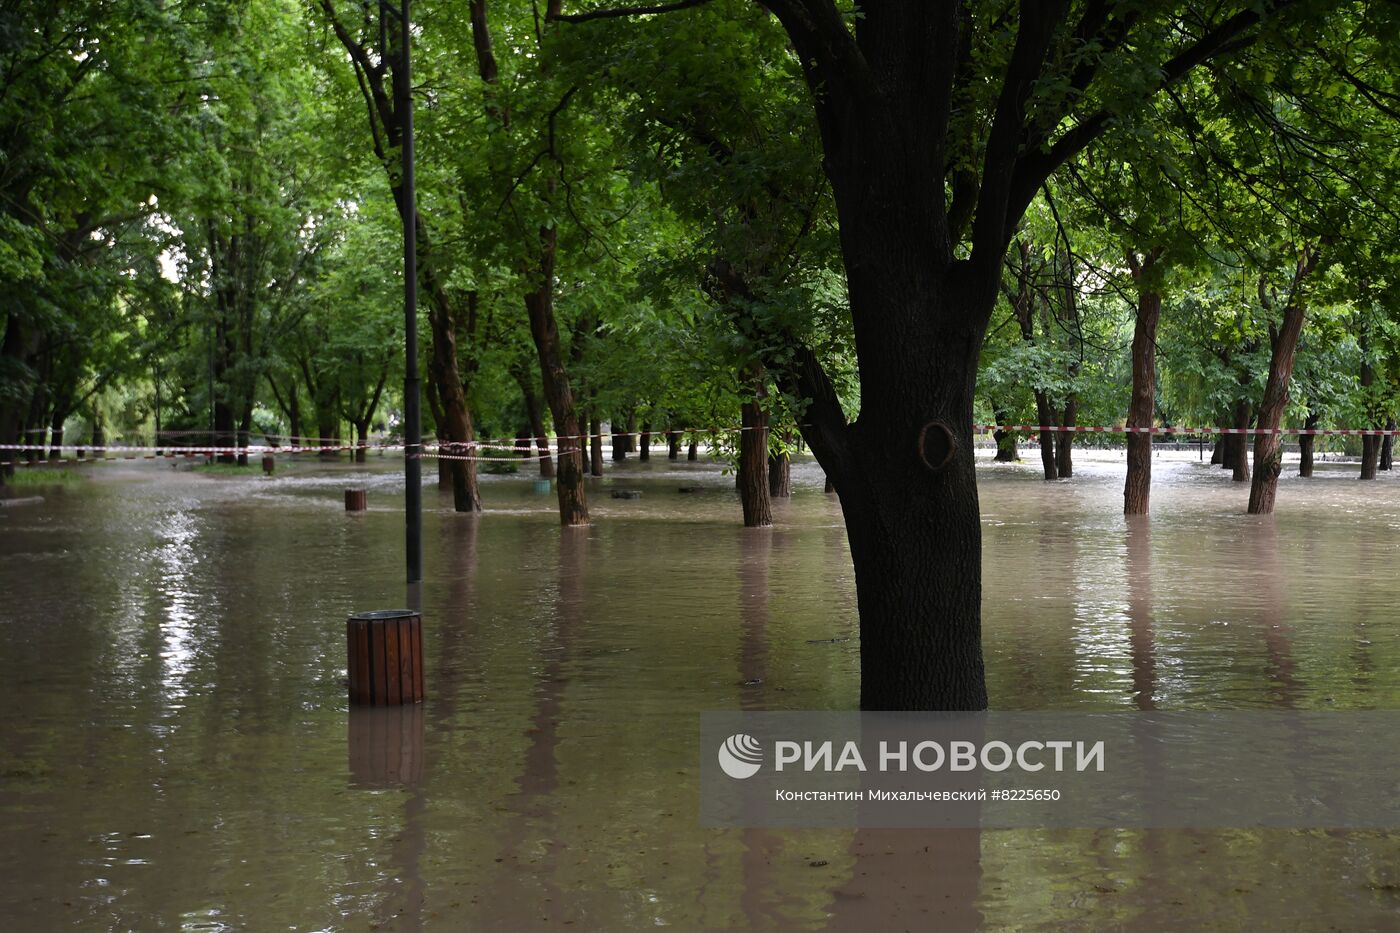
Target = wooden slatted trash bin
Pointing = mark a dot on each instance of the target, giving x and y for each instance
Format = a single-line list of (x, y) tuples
[(385, 657), (356, 500)]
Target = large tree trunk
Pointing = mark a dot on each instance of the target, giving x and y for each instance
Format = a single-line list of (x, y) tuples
[(1387, 445), (1137, 489), (1306, 443), (673, 445), (692, 453), (1217, 451), (752, 477), (1268, 446), (913, 521), (644, 444), (539, 305)]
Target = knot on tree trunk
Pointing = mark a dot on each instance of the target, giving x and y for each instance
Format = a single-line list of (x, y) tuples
[(937, 445)]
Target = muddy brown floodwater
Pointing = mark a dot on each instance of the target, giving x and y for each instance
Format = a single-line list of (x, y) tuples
[(178, 754)]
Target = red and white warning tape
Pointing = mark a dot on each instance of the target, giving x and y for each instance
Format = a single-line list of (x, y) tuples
[(532, 451)]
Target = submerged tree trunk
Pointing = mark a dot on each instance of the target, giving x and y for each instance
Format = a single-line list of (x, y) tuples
[(1370, 443), (456, 425), (1005, 440), (1137, 488), (1217, 451), (1064, 445), (1268, 446), (444, 469), (1370, 455), (361, 440), (1237, 455), (1044, 414), (1306, 443), (693, 452), (644, 444), (780, 476), (328, 429), (536, 419), (673, 445), (619, 441), (539, 304), (752, 477), (595, 447), (1387, 445)]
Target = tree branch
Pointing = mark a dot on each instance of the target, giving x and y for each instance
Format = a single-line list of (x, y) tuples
[(616, 12)]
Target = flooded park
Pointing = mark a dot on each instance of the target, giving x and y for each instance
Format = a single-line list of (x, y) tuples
[(707, 464), (180, 753)]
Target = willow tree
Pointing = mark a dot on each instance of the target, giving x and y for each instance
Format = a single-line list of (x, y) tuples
[(939, 124)]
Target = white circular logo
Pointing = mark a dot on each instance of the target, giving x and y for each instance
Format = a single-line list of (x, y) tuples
[(741, 756)]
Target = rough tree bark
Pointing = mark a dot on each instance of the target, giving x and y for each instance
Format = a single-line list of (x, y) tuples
[(1137, 489), (1268, 446)]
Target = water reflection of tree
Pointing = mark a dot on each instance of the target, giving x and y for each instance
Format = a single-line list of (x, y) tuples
[(760, 897), (531, 833), (449, 629), (1282, 682), (909, 879), (1141, 637)]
